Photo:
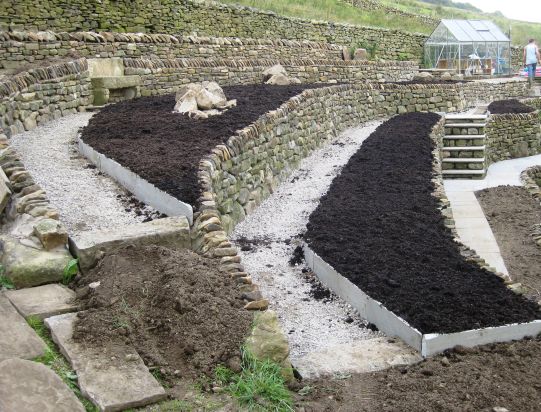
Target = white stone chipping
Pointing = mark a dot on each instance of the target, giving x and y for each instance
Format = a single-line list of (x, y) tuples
[(85, 198)]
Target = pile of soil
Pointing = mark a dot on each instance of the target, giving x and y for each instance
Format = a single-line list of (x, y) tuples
[(512, 214), (380, 227), (175, 308), (509, 106), (499, 375), (165, 148)]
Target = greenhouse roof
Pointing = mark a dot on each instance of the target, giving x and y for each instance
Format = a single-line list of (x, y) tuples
[(474, 30)]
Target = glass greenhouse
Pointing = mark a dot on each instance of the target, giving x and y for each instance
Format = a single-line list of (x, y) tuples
[(470, 47)]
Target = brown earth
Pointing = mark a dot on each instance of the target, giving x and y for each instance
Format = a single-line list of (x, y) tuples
[(175, 308), (509, 106), (463, 380), (512, 214)]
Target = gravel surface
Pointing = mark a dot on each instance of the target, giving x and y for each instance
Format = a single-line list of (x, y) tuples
[(272, 234), (85, 198)]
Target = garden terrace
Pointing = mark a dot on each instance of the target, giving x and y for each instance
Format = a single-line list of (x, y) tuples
[(393, 243)]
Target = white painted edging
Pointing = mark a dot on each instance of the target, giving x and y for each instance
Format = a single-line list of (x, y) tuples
[(393, 325), (143, 190)]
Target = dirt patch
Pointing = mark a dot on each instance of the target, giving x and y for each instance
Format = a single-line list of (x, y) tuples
[(513, 214), (509, 106), (380, 227), (165, 148), (465, 380), (174, 307)]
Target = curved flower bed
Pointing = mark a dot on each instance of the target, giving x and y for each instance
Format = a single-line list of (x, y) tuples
[(380, 226)]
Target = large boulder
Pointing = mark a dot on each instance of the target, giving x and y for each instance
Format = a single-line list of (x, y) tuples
[(275, 70), (360, 54), (423, 76), (277, 75), (202, 100)]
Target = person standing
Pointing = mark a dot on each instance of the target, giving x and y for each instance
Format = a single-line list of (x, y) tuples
[(531, 57)]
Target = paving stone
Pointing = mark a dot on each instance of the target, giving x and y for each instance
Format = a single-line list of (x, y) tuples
[(91, 246), (17, 339), (32, 387), (5, 193), (113, 383), (43, 301), (51, 233)]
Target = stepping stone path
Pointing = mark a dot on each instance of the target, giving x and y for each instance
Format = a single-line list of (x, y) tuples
[(32, 387), (43, 301), (18, 339), (113, 383)]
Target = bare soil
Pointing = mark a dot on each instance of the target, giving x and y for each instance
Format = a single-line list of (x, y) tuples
[(165, 148), (175, 308), (462, 380), (380, 227), (509, 106), (512, 214)]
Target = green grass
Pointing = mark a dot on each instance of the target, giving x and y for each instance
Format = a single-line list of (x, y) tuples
[(54, 360), (70, 271), (6, 283), (259, 387)]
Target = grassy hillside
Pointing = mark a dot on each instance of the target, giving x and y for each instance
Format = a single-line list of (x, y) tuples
[(342, 11)]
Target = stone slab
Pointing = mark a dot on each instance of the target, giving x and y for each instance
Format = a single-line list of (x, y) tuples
[(112, 384), (32, 387), (113, 82), (17, 339), (43, 301), (5, 193), (113, 66), (90, 247)]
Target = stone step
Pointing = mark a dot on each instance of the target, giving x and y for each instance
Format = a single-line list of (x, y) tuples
[(465, 148), (33, 387), (465, 125), (463, 160), (90, 246), (43, 301), (113, 383), (465, 172), (463, 136), (17, 339), (465, 116)]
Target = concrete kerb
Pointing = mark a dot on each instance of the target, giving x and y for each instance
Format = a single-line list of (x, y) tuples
[(142, 189)]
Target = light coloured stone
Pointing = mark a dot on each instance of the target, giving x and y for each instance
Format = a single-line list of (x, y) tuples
[(17, 339), (273, 71), (51, 233), (43, 301), (360, 54), (33, 387), (106, 67), (91, 246), (112, 383), (5, 193)]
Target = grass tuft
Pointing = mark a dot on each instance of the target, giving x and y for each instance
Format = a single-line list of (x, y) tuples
[(259, 387), (70, 271)]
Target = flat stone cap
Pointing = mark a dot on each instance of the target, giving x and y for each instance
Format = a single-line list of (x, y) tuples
[(112, 82)]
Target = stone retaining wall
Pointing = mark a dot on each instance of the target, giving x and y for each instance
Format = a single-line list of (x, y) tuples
[(531, 179), (489, 90), (202, 17), (379, 6), (19, 49), (164, 76), (509, 136), (39, 95)]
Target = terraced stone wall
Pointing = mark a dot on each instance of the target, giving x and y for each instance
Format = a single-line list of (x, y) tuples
[(487, 91), (379, 6), (204, 18), (19, 49), (165, 76), (509, 136), (39, 95)]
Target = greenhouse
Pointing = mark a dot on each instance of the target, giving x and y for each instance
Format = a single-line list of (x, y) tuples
[(469, 47)]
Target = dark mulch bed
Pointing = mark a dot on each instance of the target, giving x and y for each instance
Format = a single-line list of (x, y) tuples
[(509, 106), (164, 147), (380, 227)]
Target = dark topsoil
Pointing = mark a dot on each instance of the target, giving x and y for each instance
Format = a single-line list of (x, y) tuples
[(174, 307), (509, 106), (462, 380), (379, 226), (513, 215), (164, 147)]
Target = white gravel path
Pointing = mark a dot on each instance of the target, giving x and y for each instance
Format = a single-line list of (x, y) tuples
[(85, 198), (311, 325)]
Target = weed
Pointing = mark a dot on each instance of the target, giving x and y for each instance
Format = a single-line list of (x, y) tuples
[(259, 387), (54, 360), (6, 283), (70, 271)]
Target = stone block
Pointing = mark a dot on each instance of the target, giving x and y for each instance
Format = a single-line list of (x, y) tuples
[(18, 340), (90, 247), (106, 67), (113, 383), (116, 82), (5, 192), (33, 387), (43, 301), (51, 233)]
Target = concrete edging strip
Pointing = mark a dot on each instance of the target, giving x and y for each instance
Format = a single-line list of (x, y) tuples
[(142, 189), (427, 344)]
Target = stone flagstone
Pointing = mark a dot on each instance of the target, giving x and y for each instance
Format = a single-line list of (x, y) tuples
[(113, 383), (32, 387), (43, 301), (17, 339)]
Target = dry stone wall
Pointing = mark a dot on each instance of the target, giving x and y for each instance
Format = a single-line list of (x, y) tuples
[(509, 136), (39, 95), (379, 6), (204, 18), (19, 49)]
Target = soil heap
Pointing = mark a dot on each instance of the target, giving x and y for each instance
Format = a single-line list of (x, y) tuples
[(509, 106)]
